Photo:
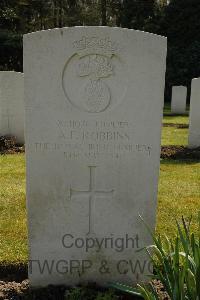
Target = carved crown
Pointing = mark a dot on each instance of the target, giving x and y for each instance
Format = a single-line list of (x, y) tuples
[(95, 45)]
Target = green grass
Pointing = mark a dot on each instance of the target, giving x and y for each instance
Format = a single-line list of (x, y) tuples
[(176, 119), (179, 194), (174, 136), (13, 233)]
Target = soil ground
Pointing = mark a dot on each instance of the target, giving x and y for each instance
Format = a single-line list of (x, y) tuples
[(14, 285)]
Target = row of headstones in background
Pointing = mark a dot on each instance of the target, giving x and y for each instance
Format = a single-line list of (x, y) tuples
[(94, 101), (12, 105), (178, 106), (178, 102)]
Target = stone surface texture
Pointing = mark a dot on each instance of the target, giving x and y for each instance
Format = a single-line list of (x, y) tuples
[(94, 102)]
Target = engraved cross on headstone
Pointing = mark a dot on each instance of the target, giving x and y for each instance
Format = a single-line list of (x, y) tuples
[(92, 194)]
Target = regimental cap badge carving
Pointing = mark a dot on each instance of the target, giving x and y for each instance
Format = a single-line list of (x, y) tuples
[(93, 77)]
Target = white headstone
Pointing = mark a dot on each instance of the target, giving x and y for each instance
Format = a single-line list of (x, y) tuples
[(194, 126), (94, 100), (179, 96), (12, 104)]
